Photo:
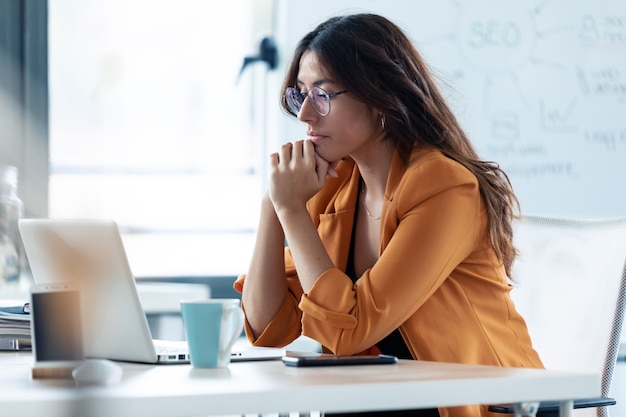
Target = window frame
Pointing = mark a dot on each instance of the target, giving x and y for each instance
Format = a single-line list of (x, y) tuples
[(24, 79)]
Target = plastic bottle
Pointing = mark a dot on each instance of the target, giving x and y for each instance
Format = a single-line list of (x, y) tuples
[(11, 209)]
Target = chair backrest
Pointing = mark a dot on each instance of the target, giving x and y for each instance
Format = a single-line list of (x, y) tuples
[(570, 280)]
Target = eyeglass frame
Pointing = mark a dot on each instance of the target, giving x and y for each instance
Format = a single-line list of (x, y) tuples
[(292, 92)]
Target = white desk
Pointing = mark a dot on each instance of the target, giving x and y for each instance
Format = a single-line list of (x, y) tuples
[(265, 387)]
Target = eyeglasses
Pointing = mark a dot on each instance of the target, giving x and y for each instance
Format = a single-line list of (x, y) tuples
[(318, 97)]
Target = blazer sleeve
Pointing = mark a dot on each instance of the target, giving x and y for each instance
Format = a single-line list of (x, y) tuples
[(285, 327)]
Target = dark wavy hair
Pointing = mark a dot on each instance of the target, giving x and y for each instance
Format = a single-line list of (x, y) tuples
[(378, 64)]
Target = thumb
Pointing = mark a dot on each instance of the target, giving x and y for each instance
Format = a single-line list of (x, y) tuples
[(324, 168)]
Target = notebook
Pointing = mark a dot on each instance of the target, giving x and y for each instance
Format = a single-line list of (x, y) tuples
[(90, 254)]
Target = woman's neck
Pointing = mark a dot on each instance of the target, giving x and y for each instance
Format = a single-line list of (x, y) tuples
[(374, 168)]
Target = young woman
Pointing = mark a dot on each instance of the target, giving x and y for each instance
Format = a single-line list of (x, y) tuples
[(399, 236)]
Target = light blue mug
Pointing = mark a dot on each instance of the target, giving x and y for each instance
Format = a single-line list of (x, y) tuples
[(212, 326)]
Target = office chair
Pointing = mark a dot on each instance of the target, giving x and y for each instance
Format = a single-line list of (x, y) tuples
[(570, 280)]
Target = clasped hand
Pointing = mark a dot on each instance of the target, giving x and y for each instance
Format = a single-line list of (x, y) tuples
[(297, 174)]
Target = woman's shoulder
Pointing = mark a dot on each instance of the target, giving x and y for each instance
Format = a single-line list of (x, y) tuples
[(433, 165), (428, 173)]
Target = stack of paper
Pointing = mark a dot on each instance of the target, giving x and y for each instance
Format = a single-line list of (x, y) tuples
[(14, 326)]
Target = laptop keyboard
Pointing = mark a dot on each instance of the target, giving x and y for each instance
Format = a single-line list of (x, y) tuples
[(167, 347)]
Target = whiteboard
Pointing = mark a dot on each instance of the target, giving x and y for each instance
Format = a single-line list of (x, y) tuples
[(539, 86)]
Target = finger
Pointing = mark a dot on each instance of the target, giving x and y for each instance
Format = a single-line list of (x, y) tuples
[(285, 153), (321, 167), (324, 167), (298, 148), (286, 147), (309, 151), (274, 159)]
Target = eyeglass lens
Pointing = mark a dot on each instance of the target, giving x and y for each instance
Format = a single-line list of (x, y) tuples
[(320, 101)]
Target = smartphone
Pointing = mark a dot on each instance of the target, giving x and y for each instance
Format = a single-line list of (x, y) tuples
[(332, 360), (56, 325)]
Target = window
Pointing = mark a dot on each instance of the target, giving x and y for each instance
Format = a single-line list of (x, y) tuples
[(152, 126)]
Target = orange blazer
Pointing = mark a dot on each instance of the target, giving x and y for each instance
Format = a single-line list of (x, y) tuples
[(437, 278)]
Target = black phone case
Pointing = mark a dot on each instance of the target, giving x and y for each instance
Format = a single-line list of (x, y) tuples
[(330, 360)]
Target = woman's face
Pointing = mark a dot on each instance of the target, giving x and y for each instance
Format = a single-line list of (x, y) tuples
[(350, 129)]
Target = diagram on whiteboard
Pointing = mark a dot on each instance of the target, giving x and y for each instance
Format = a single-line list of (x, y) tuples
[(545, 91)]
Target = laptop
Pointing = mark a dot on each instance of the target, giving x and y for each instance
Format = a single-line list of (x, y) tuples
[(89, 254)]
